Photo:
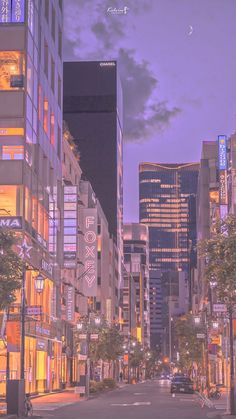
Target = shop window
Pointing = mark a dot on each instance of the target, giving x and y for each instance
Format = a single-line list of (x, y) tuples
[(12, 70), (27, 204), (52, 130), (45, 115), (10, 152), (11, 200)]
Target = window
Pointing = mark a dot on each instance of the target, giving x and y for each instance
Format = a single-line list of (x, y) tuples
[(59, 142), (45, 115), (46, 58), (46, 3), (12, 152), (53, 28), (12, 70), (52, 75), (39, 102), (60, 43), (59, 91), (52, 130), (11, 200), (99, 280)]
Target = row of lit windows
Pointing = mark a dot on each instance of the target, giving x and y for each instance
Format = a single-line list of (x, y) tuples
[(155, 249)]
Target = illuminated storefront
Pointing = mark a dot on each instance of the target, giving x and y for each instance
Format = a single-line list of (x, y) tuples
[(30, 184)]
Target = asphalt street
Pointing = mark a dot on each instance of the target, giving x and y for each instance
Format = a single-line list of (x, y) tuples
[(149, 400)]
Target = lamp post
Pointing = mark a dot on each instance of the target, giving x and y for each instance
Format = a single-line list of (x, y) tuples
[(85, 326), (198, 321)]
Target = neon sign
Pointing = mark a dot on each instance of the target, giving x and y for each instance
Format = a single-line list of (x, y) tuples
[(222, 147)]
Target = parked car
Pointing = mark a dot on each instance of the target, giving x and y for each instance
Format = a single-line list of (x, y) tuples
[(181, 384)]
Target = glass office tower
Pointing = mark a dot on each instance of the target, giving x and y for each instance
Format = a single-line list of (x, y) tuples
[(165, 192)]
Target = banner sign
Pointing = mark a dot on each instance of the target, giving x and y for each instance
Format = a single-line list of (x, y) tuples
[(90, 252), (13, 332), (12, 11), (70, 303), (14, 223), (222, 149), (70, 226), (34, 310)]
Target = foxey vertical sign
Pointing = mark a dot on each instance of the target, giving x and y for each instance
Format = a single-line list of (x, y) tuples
[(90, 252)]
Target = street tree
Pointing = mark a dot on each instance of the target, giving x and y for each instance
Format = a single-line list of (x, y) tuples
[(109, 345), (11, 268), (219, 252), (189, 346)]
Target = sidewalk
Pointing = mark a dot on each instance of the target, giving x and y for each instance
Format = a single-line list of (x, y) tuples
[(51, 401)]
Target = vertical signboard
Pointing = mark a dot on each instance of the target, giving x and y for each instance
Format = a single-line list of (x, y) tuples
[(223, 186), (70, 226), (70, 303), (12, 11), (90, 252)]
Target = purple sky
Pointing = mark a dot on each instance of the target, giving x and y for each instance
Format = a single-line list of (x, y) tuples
[(179, 89)]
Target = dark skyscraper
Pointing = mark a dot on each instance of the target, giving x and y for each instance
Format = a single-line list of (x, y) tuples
[(93, 112), (166, 195)]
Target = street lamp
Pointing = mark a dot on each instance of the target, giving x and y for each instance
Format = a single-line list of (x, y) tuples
[(39, 283), (97, 321), (197, 320)]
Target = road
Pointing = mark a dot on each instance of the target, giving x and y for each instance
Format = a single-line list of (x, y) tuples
[(149, 400)]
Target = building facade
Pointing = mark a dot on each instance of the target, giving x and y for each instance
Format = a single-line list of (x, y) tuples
[(165, 192), (30, 179), (136, 260), (93, 112)]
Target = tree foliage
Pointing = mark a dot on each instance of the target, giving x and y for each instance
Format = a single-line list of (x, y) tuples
[(189, 346), (11, 268), (220, 254), (110, 344)]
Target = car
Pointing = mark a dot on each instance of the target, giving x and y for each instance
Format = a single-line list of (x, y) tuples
[(181, 384), (165, 376)]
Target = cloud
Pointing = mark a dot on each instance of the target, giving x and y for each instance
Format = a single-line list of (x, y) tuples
[(91, 33)]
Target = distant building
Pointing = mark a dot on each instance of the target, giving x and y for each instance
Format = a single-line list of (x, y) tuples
[(98, 256), (136, 260), (167, 192), (128, 297)]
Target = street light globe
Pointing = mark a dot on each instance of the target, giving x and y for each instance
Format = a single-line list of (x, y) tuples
[(133, 343), (197, 320), (79, 326), (97, 321), (39, 283)]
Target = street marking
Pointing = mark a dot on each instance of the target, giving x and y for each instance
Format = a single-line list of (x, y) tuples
[(139, 394), (132, 404), (187, 400)]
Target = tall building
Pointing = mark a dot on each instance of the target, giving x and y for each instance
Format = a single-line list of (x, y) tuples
[(165, 192), (136, 260), (98, 255), (31, 178), (92, 108)]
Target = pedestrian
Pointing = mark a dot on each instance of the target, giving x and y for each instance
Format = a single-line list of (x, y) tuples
[(121, 376)]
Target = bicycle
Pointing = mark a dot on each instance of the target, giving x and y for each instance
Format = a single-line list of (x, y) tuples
[(28, 405), (215, 393)]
